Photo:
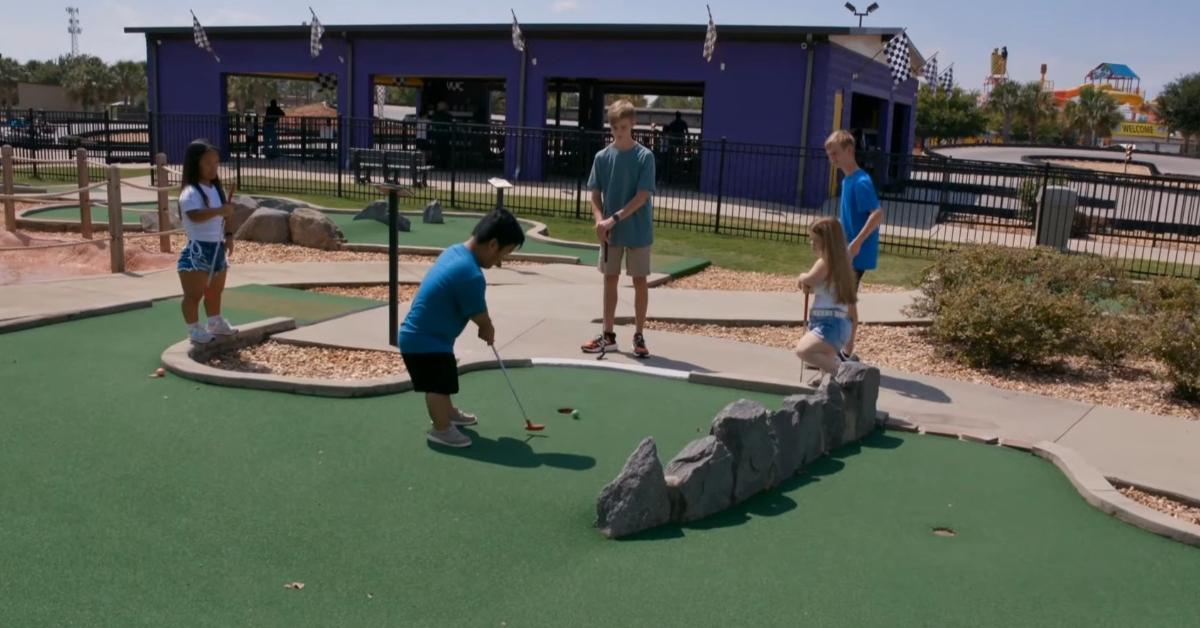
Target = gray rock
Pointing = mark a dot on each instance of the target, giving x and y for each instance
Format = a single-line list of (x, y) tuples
[(433, 213), (789, 456), (809, 435), (243, 208), (700, 480), (378, 211), (829, 405), (278, 203), (149, 221), (745, 429), (266, 225), (637, 499), (313, 229), (860, 385)]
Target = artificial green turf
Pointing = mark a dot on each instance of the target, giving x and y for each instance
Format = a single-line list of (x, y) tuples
[(129, 215), (257, 302), (136, 501)]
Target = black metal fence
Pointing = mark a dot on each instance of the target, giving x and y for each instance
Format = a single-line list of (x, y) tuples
[(1150, 223)]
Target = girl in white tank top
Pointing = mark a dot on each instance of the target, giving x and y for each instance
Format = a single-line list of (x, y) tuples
[(831, 280)]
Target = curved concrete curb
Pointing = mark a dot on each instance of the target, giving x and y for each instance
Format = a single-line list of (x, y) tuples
[(1092, 485), (433, 251)]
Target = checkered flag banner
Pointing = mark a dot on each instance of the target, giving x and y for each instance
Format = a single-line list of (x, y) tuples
[(898, 60), (327, 82), (947, 79), (517, 36), (201, 38), (381, 95), (931, 73), (314, 37), (710, 37)]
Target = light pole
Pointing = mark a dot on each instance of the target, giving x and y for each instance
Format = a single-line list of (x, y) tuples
[(870, 9)]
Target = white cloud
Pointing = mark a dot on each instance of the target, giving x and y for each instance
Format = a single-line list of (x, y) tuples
[(565, 6)]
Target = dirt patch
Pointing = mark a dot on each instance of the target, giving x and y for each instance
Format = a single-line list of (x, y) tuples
[(277, 358), (1175, 508), (377, 292), (1139, 386), (35, 256)]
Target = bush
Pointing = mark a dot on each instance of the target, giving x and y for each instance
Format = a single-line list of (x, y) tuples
[(1173, 337), (994, 306)]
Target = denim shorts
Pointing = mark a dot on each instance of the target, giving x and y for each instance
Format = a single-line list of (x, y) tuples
[(199, 256), (834, 330)]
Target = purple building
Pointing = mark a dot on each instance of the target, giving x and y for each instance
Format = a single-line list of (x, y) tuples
[(784, 86)]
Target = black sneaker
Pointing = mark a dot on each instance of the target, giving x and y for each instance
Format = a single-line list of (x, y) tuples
[(639, 346), (604, 343)]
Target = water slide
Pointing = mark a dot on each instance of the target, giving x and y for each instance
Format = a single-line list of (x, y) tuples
[(1125, 98)]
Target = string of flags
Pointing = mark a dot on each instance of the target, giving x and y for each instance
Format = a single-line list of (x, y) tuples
[(898, 58), (710, 37)]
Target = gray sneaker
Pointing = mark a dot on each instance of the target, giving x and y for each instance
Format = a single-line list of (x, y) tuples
[(464, 419), (450, 438)]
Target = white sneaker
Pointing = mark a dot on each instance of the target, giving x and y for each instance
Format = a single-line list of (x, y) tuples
[(450, 438), (464, 419), (200, 336), (220, 327)]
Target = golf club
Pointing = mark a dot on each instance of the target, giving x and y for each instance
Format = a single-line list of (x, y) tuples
[(530, 426), (220, 243), (803, 366)]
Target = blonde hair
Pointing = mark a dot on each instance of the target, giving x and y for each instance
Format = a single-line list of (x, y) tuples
[(833, 249), (620, 110), (842, 138)]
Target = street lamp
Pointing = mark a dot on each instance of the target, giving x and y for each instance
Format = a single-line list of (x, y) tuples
[(871, 9)]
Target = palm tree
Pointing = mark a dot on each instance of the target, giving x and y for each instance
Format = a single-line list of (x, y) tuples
[(129, 80), (1098, 112), (1004, 101), (1034, 105), (88, 80)]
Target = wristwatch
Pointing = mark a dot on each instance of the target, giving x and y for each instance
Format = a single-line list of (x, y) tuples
[(616, 217)]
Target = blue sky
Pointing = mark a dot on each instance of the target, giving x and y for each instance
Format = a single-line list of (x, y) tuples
[(1072, 36)]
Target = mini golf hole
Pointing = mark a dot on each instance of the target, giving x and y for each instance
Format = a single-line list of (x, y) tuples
[(947, 532), (566, 410)]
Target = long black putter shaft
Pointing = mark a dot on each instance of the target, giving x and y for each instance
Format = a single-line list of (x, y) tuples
[(393, 272), (529, 425)]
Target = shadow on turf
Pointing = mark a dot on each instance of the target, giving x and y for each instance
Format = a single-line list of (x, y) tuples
[(775, 501), (511, 452)]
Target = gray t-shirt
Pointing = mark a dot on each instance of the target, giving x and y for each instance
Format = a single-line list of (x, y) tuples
[(620, 175)]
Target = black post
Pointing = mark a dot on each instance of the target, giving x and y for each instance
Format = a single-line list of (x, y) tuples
[(453, 169), (237, 154), (107, 136), (33, 142), (579, 148), (1039, 210), (341, 167), (393, 260), (720, 186)]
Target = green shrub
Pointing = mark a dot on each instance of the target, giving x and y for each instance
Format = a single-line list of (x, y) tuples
[(1168, 295), (1173, 337)]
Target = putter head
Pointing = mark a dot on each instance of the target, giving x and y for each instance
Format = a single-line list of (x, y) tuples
[(534, 427)]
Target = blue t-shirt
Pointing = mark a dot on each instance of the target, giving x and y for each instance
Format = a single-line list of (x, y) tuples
[(451, 293), (858, 201), (620, 175)]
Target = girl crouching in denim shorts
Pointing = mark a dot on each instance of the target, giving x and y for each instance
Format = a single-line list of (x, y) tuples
[(832, 282)]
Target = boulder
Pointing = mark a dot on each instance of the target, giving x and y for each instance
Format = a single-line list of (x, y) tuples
[(378, 211), (149, 221), (283, 205), (828, 406), (266, 225), (243, 208), (700, 480), (313, 229), (809, 435), (789, 455), (637, 499), (433, 213), (744, 428), (860, 388)]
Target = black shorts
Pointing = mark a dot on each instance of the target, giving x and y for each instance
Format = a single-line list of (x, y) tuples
[(432, 372)]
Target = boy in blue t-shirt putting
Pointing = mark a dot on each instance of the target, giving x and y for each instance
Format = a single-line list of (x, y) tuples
[(451, 294), (860, 215)]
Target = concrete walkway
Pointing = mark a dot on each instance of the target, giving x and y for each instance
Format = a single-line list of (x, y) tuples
[(548, 311)]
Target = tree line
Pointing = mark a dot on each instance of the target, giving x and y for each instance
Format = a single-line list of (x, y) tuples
[(1024, 112), (87, 79)]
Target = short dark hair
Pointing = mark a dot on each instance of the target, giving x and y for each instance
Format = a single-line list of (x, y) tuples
[(499, 225)]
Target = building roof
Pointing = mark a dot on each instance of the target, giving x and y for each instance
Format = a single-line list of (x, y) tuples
[(628, 31), (1112, 70)]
